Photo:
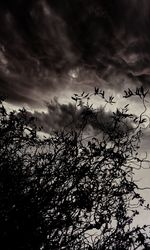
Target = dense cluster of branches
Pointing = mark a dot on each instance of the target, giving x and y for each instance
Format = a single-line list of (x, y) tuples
[(64, 191)]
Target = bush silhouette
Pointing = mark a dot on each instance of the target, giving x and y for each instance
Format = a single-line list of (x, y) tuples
[(63, 191)]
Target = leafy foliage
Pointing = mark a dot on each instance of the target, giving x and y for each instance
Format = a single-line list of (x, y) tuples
[(64, 191)]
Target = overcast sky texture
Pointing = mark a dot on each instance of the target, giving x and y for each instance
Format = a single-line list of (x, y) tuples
[(42, 42), (56, 48)]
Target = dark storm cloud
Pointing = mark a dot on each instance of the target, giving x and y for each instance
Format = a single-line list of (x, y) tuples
[(34, 48), (42, 40), (63, 116), (68, 116)]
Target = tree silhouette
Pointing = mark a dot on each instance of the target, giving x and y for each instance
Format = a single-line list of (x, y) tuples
[(66, 191)]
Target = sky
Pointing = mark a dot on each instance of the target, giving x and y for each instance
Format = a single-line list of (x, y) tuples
[(51, 49), (106, 43)]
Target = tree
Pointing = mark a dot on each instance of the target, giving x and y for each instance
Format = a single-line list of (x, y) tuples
[(65, 191)]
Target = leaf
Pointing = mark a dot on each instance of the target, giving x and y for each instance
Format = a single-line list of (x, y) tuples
[(103, 94), (73, 98), (142, 90), (126, 94), (130, 93), (143, 120), (126, 106), (96, 91), (146, 93), (86, 95)]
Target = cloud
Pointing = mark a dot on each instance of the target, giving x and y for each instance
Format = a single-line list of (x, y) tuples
[(70, 117), (34, 49), (60, 116), (42, 41)]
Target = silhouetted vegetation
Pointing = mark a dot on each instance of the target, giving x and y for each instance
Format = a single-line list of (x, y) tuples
[(69, 191)]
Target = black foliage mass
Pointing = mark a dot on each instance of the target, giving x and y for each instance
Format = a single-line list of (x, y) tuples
[(66, 191)]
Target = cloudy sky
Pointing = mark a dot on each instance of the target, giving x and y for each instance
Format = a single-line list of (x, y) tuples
[(44, 43), (50, 49)]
